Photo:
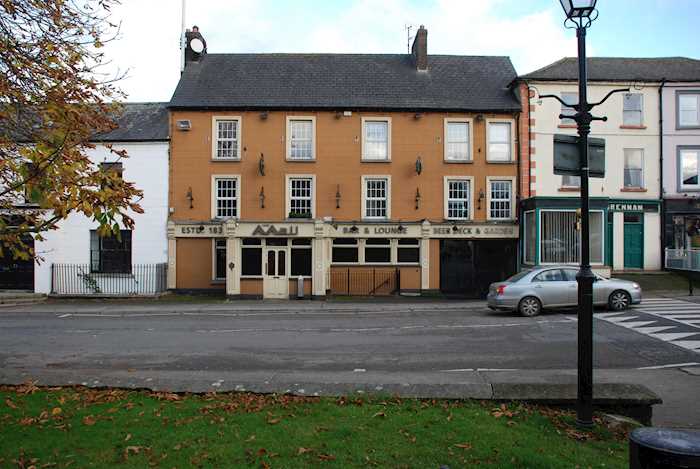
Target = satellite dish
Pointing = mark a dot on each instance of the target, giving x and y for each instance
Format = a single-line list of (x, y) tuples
[(197, 45)]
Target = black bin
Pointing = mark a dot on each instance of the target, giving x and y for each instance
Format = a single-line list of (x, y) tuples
[(664, 448)]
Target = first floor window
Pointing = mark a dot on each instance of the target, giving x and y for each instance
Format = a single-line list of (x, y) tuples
[(571, 181), (226, 192), (220, 259), (634, 167), (377, 251), (560, 239), (110, 254), (376, 198), (632, 109), (376, 140), (301, 257), (457, 141), (301, 139), (300, 197), (500, 200), (689, 167), (251, 257), (688, 109), (569, 98), (408, 251), (345, 250), (499, 144), (226, 142), (530, 237), (457, 199)]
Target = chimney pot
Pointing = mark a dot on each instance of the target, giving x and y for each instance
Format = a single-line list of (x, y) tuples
[(419, 50), (196, 46)]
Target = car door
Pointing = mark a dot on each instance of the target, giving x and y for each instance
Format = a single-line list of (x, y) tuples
[(601, 290), (550, 286), (571, 285)]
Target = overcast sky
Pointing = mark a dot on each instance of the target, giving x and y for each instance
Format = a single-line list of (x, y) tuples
[(531, 32)]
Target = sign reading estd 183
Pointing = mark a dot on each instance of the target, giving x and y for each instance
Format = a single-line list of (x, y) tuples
[(567, 156)]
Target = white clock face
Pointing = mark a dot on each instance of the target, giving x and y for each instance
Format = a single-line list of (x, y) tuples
[(197, 45)]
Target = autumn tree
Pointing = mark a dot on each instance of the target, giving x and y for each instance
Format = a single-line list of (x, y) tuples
[(54, 98)]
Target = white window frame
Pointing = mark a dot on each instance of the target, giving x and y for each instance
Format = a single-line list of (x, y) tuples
[(470, 139), (681, 186), (446, 194), (288, 184), (214, 179), (388, 138), (215, 136), (569, 186), (213, 259), (489, 181), (539, 237), (533, 258), (312, 119), (641, 110), (624, 167), (364, 196), (513, 133), (568, 121)]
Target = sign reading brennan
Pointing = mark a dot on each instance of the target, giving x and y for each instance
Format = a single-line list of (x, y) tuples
[(272, 230), (632, 207)]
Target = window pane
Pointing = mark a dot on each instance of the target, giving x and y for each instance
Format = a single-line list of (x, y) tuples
[(301, 139), (271, 263), (596, 237), (458, 199), (378, 241), (226, 197), (568, 98), (688, 111), (300, 197), (301, 262), (689, 168), (345, 241), (571, 181), (560, 240), (408, 242), (377, 254), (530, 237), (632, 109), (376, 198), (549, 276), (281, 262), (408, 255), (633, 176), (345, 254), (227, 139), (251, 261), (220, 259), (376, 143), (457, 141), (111, 254), (500, 200), (499, 141)]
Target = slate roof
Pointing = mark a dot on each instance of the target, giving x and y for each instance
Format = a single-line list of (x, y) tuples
[(678, 69), (139, 122), (346, 81)]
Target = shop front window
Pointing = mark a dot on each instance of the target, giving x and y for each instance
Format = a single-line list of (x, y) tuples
[(686, 232), (560, 238)]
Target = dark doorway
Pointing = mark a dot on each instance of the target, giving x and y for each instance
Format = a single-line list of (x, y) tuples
[(467, 268), (17, 274)]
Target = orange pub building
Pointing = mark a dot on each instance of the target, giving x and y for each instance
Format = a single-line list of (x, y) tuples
[(344, 174)]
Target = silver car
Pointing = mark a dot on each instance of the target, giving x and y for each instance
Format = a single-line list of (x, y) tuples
[(554, 286)]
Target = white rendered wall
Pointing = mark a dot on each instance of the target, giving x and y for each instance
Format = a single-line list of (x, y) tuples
[(147, 168), (618, 241), (652, 241)]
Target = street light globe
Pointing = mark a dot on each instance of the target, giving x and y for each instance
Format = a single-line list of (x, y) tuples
[(578, 8)]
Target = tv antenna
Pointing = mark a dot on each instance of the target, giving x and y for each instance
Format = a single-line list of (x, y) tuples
[(408, 28)]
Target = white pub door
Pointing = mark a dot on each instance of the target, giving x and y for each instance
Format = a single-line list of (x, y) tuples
[(275, 280)]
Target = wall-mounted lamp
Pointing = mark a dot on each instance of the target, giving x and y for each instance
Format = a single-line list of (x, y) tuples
[(261, 165), (190, 197), (481, 197), (417, 115), (455, 228), (417, 199), (262, 196), (337, 197), (479, 117), (263, 115), (354, 229), (419, 165), (338, 114)]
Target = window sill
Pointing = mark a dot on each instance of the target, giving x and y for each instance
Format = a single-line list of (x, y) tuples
[(688, 127), (567, 126), (300, 160), (230, 160), (458, 161), (218, 282), (111, 274), (496, 220), (251, 277), (633, 127), (569, 189), (500, 162), (365, 160), (633, 189)]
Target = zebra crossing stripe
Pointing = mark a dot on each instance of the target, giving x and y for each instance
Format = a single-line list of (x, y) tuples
[(654, 330), (620, 319), (689, 344), (673, 336), (636, 324)]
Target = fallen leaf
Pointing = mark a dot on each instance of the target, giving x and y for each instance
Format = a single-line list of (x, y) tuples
[(131, 450), (379, 414), (128, 437), (326, 457), (274, 421), (251, 438), (303, 450), (464, 445), (89, 420), (497, 414), (10, 404), (56, 411)]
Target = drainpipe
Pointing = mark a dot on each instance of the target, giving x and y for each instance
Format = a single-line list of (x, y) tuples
[(662, 205), (517, 194)]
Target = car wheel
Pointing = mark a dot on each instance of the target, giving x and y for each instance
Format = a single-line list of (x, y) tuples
[(619, 300), (529, 306)]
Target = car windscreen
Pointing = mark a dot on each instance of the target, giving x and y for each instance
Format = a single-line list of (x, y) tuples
[(517, 276)]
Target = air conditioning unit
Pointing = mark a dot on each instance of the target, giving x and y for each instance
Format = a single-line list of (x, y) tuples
[(184, 124)]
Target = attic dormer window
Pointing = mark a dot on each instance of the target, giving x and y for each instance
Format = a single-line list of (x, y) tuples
[(227, 138)]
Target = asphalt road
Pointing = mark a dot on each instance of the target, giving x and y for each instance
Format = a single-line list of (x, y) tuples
[(308, 347)]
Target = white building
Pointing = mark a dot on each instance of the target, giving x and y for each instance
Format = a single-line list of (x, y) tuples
[(625, 204), (76, 261)]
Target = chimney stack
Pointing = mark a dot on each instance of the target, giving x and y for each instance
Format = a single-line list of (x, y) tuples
[(196, 46), (419, 50)]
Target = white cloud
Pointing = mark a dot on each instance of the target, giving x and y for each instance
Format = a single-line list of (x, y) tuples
[(149, 47)]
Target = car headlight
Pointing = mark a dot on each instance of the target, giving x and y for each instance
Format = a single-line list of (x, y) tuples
[(636, 286)]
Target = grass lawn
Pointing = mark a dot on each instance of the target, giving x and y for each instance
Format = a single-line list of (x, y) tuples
[(79, 427)]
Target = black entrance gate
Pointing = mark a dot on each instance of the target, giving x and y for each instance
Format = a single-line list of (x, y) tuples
[(17, 274), (467, 268)]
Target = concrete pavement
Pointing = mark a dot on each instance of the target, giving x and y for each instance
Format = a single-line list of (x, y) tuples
[(438, 349)]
